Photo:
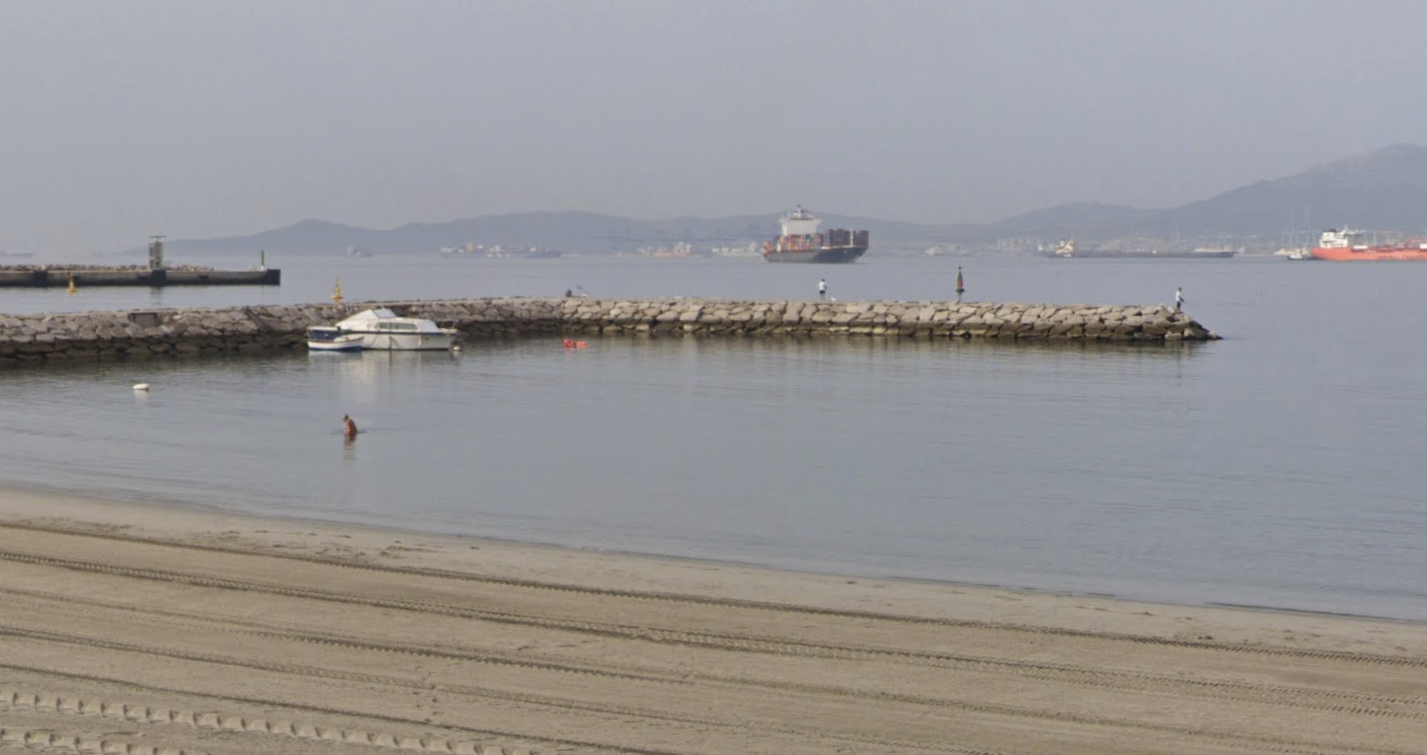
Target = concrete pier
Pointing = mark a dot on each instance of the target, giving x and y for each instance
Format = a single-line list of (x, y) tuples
[(166, 332), (30, 276)]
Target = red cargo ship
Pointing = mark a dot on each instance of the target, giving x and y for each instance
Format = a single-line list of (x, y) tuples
[(1345, 245), (801, 241)]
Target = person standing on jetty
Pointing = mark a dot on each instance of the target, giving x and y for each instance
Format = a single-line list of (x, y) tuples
[(1179, 299), (349, 428), (822, 288)]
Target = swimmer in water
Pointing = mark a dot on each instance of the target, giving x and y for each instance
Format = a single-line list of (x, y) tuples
[(349, 428)]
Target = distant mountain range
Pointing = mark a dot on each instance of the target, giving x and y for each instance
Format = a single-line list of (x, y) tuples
[(1384, 190)]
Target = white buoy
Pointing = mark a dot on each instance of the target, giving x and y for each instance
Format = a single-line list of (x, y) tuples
[(142, 387)]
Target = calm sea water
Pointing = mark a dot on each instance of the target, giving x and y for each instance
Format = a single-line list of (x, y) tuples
[(1281, 466)]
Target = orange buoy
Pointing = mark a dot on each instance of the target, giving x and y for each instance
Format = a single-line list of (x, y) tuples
[(579, 344)]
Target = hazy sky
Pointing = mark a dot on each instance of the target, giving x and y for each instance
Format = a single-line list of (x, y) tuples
[(201, 118)]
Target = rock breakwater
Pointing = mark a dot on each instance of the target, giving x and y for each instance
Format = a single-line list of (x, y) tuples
[(167, 332)]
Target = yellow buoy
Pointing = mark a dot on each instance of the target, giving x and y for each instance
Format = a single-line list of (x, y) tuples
[(72, 287), (337, 291)]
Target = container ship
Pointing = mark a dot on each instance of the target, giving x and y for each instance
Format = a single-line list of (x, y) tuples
[(1344, 245), (801, 241), (1068, 250)]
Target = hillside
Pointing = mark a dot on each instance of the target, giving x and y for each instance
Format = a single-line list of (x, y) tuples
[(1383, 190)]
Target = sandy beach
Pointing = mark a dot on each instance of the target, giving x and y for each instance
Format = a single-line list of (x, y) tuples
[(137, 629)]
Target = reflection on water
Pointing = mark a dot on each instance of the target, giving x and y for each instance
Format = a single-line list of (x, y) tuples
[(1276, 467)]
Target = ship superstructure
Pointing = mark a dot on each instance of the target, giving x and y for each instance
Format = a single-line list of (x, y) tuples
[(801, 241)]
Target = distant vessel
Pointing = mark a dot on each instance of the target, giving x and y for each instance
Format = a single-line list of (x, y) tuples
[(1068, 250), (533, 253), (801, 241), (747, 250), (501, 252), (679, 250), (1344, 245)]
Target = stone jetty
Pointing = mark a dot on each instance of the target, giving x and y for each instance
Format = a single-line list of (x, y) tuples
[(167, 332)]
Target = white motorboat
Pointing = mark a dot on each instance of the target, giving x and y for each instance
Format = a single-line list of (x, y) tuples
[(381, 329), (332, 338)]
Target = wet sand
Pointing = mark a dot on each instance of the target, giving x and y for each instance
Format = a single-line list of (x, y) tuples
[(137, 630)]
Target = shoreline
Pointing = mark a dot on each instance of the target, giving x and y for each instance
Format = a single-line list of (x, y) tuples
[(172, 520), (131, 626)]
